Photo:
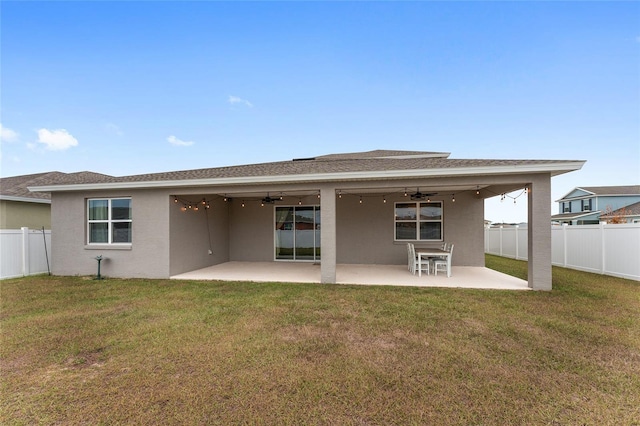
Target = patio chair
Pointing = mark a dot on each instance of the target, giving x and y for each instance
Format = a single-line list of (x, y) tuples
[(441, 263), (413, 260)]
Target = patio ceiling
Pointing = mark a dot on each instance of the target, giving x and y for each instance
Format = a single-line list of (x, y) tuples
[(485, 190)]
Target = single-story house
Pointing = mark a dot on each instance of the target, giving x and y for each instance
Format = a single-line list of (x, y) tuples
[(588, 205), (356, 208)]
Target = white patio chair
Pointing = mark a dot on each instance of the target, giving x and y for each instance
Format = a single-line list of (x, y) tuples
[(441, 263), (410, 261), (413, 261)]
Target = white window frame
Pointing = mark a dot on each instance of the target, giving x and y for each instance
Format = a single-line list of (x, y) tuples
[(417, 221), (110, 221)]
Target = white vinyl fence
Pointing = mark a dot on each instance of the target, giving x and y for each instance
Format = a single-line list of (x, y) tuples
[(24, 252), (604, 249)]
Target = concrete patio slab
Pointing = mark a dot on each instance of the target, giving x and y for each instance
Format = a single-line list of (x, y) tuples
[(398, 275)]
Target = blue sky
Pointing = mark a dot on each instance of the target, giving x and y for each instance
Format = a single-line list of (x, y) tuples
[(135, 87)]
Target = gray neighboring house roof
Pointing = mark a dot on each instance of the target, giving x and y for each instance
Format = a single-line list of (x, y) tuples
[(577, 215), (602, 191), (630, 210), (378, 164)]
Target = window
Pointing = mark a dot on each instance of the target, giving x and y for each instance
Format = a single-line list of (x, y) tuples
[(586, 205), (566, 207), (419, 221), (109, 220)]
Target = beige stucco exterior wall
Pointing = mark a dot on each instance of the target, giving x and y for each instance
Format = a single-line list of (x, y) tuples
[(198, 238), (148, 255), (366, 231), (167, 241), (18, 214)]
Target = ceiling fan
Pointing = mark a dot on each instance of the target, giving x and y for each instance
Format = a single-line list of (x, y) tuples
[(420, 196), (269, 200)]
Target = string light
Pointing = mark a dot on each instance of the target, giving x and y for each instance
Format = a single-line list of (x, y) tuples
[(361, 199), (453, 198)]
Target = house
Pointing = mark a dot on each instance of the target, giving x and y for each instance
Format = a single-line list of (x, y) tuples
[(354, 208), (591, 204), (20, 207), (626, 214)]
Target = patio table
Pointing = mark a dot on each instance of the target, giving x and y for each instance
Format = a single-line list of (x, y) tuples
[(432, 252)]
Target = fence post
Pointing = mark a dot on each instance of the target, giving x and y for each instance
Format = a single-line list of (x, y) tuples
[(602, 247), (501, 239), (25, 251), (564, 244), (517, 232)]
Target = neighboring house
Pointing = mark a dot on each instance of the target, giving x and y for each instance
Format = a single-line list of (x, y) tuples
[(589, 205), (626, 214), (358, 208), (20, 207)]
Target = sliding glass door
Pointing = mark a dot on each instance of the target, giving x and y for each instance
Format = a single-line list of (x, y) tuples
[(297, 234)]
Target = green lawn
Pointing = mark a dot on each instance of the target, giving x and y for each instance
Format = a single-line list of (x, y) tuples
[(78, 351)]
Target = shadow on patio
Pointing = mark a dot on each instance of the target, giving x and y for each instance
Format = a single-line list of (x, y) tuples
[(461, 276)]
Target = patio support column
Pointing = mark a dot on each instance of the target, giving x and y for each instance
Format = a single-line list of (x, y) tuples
[(328, 234), (539, 233)]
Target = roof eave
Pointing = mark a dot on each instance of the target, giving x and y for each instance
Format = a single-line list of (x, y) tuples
[(552, 168), (25, 199)]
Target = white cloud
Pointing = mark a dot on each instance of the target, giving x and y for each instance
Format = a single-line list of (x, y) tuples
[(236, 100), (113, 128), (56, 140), (7, 135), (178, 142)]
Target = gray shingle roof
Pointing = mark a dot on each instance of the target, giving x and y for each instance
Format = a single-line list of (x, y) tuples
[(630, 210), (613, 190), (17, 186), (576, 215), (378, 161)]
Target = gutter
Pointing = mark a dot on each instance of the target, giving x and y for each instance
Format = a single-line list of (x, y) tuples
[(25, 199)]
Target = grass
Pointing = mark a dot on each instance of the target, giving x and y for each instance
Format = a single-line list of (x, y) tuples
[(78, 351)]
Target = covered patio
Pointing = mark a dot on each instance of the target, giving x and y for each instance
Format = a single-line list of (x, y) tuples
[(396, 275)]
